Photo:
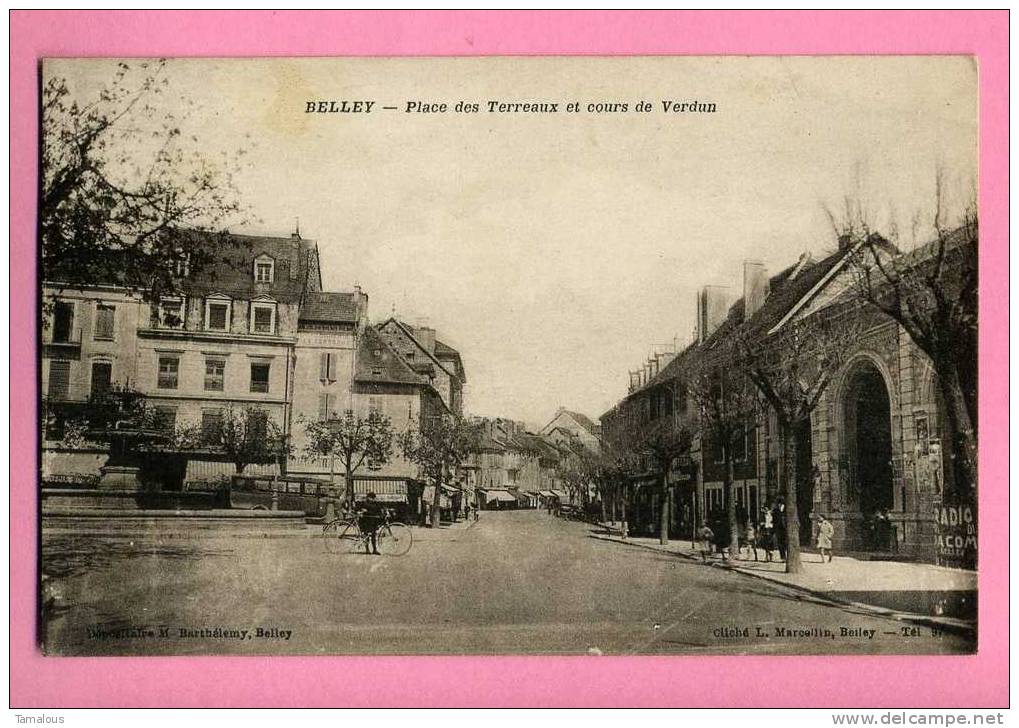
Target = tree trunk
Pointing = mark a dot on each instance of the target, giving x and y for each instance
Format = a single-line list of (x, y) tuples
[(604, 509), (663, 516), (960, 434), (730, 508), (437, 499), (239, 467), (793, 562), (615, 505), (625, 527), (348, 488)]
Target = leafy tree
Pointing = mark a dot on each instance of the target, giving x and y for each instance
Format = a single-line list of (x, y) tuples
[(355, 441), (441, 444), (249, 436), (931, 292), (121, 181)]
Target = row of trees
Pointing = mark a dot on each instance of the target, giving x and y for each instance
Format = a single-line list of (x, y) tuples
[(248, 436), (747, 372)]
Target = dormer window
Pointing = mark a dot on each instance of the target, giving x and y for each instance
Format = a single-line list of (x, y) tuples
[(263, 317), (217, 313), (171, 312), (264, 269)]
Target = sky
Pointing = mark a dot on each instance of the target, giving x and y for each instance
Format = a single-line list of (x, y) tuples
[(557, 251)]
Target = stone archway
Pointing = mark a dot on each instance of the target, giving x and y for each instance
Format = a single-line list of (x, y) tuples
[(866, 437)]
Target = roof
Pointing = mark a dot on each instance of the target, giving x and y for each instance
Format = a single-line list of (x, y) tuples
[(329, 307), (231, 270), (408, 330), (583, 420), (377, 362), (786, 291), (223, 262)]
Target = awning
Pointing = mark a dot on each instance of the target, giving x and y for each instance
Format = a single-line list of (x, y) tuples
[(559, 494), (450, 489), (498, 495), (546, 494), (385, 490), (428, 496)]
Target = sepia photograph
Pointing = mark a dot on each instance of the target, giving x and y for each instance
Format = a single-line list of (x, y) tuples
[(646, 355)]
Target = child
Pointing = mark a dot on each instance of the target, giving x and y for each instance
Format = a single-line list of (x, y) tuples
[(706, 536), (750, 539), (825, 530)]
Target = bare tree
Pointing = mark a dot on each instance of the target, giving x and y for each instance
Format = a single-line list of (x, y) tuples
[(355, 441), (651, 446), (931, 292), (728, 407), (791, 369), (121, 180)]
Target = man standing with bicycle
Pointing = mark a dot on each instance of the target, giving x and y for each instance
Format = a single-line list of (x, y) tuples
[(369, 520)]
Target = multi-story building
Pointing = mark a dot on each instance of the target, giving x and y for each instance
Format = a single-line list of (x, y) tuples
[(874, 443)]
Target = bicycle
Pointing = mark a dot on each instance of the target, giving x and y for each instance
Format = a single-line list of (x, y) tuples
[(344, 535)]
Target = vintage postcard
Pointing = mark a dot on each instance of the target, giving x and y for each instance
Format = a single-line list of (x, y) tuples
[(506, 355)]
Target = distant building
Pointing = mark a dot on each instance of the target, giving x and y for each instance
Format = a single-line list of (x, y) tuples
[(579, 426)]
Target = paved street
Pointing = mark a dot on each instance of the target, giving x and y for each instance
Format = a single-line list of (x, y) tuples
[(516, 582)]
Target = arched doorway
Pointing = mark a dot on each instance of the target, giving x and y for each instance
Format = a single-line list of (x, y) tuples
[(868, 438)]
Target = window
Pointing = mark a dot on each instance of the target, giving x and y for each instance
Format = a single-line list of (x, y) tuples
[(258, 425), (263, 318), (104, 322), (102, 373), (324, 406), (263, 272), (212, 426), (740, 447), (171, 313), (260, 377), (215, 370), (60, 380), (327, 367), (217, 315), (165, 418), (169, 367), (63, 321)]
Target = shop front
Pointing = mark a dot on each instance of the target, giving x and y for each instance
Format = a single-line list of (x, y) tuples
[(495, 499)]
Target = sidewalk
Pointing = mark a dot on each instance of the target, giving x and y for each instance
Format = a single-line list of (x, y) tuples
[(918, 592)]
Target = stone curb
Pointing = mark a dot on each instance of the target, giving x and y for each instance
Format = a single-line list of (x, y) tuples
[(959, 626)]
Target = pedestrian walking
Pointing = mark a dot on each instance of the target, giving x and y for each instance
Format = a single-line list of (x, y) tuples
[(705, 537), (749, 540), (721, 531), (825, 531), (779, 526), (766, 533)]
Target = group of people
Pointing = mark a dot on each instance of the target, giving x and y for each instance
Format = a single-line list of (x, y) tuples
[(768, 534)]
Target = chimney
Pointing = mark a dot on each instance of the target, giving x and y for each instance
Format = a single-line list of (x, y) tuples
[(295, 255), (755, 287), (360, 304), (426, 335), (713, 304)]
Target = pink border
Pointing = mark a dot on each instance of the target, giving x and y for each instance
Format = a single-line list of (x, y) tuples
[(635, 682)]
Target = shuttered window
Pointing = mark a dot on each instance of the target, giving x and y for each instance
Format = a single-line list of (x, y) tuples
[(60, 380), (104, 322), (166, 418), (102, 374), (212, 426), (324, 406), (327, 366)]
